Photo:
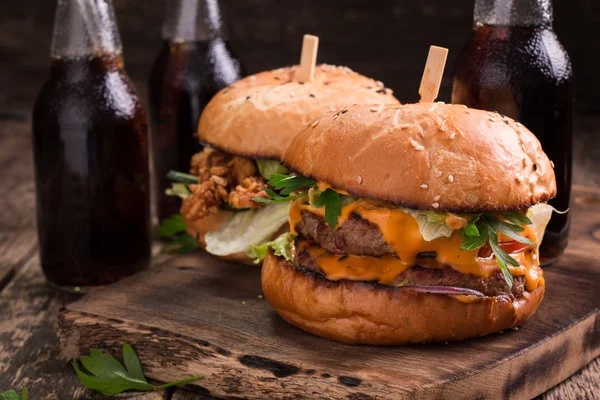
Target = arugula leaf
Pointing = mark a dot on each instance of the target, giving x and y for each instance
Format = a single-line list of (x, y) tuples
[(177, 176), (106, 375), (516, 217), (174, 228), (13, 395), (285, 185), (503, 258), (484, 229), (510, 230), (330, 199)]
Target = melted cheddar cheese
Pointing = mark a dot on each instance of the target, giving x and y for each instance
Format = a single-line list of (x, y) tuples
[(401, 232)]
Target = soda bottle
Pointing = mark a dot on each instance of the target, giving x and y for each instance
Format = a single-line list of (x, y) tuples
[(195, 62), (91, 155), (513, 63)]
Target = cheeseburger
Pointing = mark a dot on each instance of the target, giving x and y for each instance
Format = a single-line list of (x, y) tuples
[(246, 128), (408, 224)]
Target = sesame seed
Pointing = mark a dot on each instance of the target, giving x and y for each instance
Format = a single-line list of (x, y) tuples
[(519, 124), (552, 163), (344, 111), (441, 102), (414, 144), (292, 94), (435, 205), (405, 126), (315, 123), (252, 77), (491, 114), (312, 95), (332, 110), (335, 116), (493, 119), (419, 148), (424, 186), (450, 178), (436, 198), (359, 179), (452, 135), (518, 179), (431, 108), (374, 109), (379, 83), (438, 173), (467, 112)]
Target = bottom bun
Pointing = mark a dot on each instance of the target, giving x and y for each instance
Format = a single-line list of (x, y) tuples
[(368, 313), (212, 222)]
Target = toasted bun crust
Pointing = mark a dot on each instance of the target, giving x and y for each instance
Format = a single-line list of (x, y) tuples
[(367, 313), (198, 230), (259, 115), (426, 156)]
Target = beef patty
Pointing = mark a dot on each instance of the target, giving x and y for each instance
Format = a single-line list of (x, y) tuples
[(495, 285), (356, 236)]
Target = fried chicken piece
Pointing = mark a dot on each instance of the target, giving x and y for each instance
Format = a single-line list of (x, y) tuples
[(222, 178), (206, 198), (241, 196)]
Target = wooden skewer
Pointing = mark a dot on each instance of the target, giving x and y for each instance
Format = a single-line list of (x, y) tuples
[(432, 76), (308, 59)]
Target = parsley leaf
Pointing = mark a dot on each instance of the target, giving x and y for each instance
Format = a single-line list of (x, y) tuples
[(471, 229), (503, 258), (330, 199), (108, 376), (510, 230), (13, 395), (175, 230)]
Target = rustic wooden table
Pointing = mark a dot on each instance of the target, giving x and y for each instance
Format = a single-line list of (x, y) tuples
[(28, 345)]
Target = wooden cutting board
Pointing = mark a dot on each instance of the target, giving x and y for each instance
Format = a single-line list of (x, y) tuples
[(196, 315)]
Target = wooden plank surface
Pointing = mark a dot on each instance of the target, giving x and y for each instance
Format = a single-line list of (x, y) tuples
[(198, 315)]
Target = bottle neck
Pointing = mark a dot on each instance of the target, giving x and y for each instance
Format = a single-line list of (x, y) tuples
[(84, 28), (193, 20), (513, 12)]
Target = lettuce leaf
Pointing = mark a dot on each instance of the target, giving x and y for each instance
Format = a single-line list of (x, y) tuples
[(432, 224), (283, 246), (179, 189), (270, 167), (245, 229)]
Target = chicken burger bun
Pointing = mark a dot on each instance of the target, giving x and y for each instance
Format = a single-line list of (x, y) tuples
[(246, 128), (410, 224)]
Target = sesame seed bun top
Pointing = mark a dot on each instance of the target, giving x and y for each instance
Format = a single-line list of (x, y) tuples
[(428, 156), (258, 116)]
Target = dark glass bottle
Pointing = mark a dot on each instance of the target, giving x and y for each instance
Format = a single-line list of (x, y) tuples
[(513, 63), (195, 62), (91, 155)]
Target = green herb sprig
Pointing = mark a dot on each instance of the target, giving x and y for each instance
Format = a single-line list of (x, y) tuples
[(483, 229), (109, 377), (174, 230), (14, 395), (286, 188)]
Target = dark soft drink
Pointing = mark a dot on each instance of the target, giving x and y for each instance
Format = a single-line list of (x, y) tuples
[(185, 76), (91, 158), (523, 72)]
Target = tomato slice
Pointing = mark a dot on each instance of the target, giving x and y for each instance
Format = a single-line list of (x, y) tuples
[(510, 247)]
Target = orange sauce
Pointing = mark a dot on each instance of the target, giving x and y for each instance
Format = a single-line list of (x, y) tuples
[(401, 232)]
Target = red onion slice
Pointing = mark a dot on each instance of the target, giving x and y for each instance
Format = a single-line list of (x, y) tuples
[(443, 290)]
